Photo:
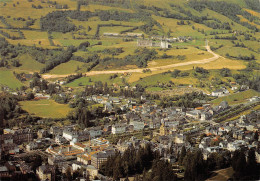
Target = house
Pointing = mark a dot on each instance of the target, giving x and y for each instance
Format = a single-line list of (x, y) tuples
[(150, 43), (257, 154), (220, 92), (60, 140), (108, 107), (42, 133), (138, 125), (119, 128), (143, 98), (179, 138), (234, 87), (237, 144), (4, 172), (244, 87), (254, 99), (205, 116), (223, 144), (79, 146), (32, 146), (111, 34), (45, 172), (154, 123), (164, 130), (95, 131), (114, 100), (100, 157), (10, 148), (92, 171), (69, 134), (56, 160), (22, 135), (213, 149), (193, 114)]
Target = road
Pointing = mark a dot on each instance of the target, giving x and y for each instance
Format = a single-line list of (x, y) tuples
[(166, 67)]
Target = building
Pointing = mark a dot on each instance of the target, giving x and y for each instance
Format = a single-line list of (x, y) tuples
[(220, 92), (95, 131), (100, 157), (150, 43), (138, 125), (193, 114), (56, 160), (69, 134), (56, 130), (4, 173), (42, 133), (22, 135), (118, 128), (45, 172), (164, 130)]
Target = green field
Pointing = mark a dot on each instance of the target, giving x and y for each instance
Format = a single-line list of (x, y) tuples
[(67, 68), (237, 98), (15, 15), (103, 78), (46, 108), (8, 79), (29, 64)]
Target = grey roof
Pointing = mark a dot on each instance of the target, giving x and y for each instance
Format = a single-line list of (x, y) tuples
[(3, 169)]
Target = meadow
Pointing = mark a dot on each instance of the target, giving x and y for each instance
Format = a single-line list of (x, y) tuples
[(67, 68), (86, 31), (83, 81), (8, 79), (46, 108), (237, 98), (28, 64)]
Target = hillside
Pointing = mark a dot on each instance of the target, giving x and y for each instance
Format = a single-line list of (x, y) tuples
[(67, 36)]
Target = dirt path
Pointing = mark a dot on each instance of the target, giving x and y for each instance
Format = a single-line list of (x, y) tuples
[(215, 57), (223, 174)]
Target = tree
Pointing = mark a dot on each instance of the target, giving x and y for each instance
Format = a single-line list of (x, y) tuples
[(182, 155), (68, 173), (256, 136), (252, 167), (30, 96), (225, 72), (175, 73), (239, 163), (195, 166), (84, 45)]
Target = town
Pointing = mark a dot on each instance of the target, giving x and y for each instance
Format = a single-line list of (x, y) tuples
[(129, 90), (70, 151)]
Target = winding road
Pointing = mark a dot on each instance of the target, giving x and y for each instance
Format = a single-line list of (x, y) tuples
[(203, 61)]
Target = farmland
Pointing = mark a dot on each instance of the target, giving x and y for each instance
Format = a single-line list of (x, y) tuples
[(26, 27)]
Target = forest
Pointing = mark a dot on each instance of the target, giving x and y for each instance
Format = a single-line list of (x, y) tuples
[(226, 9)]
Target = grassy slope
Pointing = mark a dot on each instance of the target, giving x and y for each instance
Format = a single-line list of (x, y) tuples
[(7, 78), (85, 80), (237, 97), (68, 67), (65, 39), (46, 108), (29, 64)]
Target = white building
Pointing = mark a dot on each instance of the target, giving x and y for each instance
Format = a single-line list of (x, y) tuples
[(220, 92), (138, 125), (69, 134), (118, 128), (95, 131), (233, 146)]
